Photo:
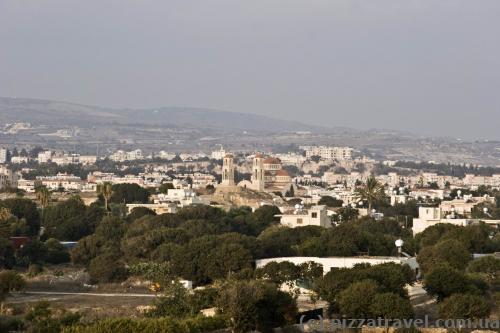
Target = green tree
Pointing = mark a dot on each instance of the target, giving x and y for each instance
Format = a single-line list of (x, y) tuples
[(24, 209), (450, 251), (68, 220), (443, 281), (33, 252), (355, 300), (464, 306), (255, 305), (389, 277), (139, 212), (10, 281), (330, 201), (129, 193), (279, 272), (391, 306), (107, 267), (7, 259), (174, 302), (56, 253), (487, 265), (165, 187)]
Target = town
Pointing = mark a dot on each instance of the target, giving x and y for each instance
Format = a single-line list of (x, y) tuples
[(180, 226), (263, 166)]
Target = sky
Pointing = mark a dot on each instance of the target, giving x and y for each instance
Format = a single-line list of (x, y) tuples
[(429, 67)]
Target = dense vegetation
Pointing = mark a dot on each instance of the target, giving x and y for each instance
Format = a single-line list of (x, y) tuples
[(217, 249)]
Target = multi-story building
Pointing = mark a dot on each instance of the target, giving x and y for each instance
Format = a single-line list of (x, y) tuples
[(291, 159), (429, 216), (44, 156), (122, 156), (8, 178), (476, 181), (336, 153), (27, 185), (87, 159), (61, 181), (98, 177), (3, 155)]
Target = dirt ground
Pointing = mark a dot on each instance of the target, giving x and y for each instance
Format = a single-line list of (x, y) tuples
[(65, 288), (91, 307)]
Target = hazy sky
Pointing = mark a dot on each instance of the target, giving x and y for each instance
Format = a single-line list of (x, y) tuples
[(431, 67)]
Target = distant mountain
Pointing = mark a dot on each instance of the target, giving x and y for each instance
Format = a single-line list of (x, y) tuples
[(45, 112)]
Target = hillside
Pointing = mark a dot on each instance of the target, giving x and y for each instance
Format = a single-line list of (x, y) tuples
[(45, 112)]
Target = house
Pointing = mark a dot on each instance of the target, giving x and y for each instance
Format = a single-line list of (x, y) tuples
[(300, 217), (158, 208), (429, 216)]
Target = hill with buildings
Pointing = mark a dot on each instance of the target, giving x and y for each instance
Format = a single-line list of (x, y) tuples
[(46, 112), (70, 126)]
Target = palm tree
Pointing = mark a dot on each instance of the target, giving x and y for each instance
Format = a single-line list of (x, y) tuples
[(43, 196), (371, 192), (106, 189)]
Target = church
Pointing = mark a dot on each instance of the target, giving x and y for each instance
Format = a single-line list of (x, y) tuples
[(268, 175)]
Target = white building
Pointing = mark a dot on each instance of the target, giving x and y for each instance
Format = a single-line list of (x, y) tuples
[(87, 159), (26, 185), (429, 216), (8, 178), (185, 197), (158, 208), (3, 155), (166, 155), (98, 177), (300, 217), (19, 159), (44, 156), (122, 156), (475, 181), (292, 159), (429, 194), (329, 153), (218, 154), (64, 181)]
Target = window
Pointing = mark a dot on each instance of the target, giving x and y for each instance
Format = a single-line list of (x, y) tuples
[(299, 221), (314, 215)]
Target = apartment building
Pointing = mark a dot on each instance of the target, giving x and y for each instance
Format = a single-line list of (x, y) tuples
[(328, 152)]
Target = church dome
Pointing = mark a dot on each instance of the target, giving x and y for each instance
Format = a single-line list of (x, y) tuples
[(272, 160)]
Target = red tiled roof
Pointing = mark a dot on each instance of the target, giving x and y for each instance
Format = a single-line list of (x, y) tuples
[(272, 160)]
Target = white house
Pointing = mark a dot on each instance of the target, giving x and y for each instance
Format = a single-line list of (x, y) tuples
[(300, 217), (158, 208), (429, 216)]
